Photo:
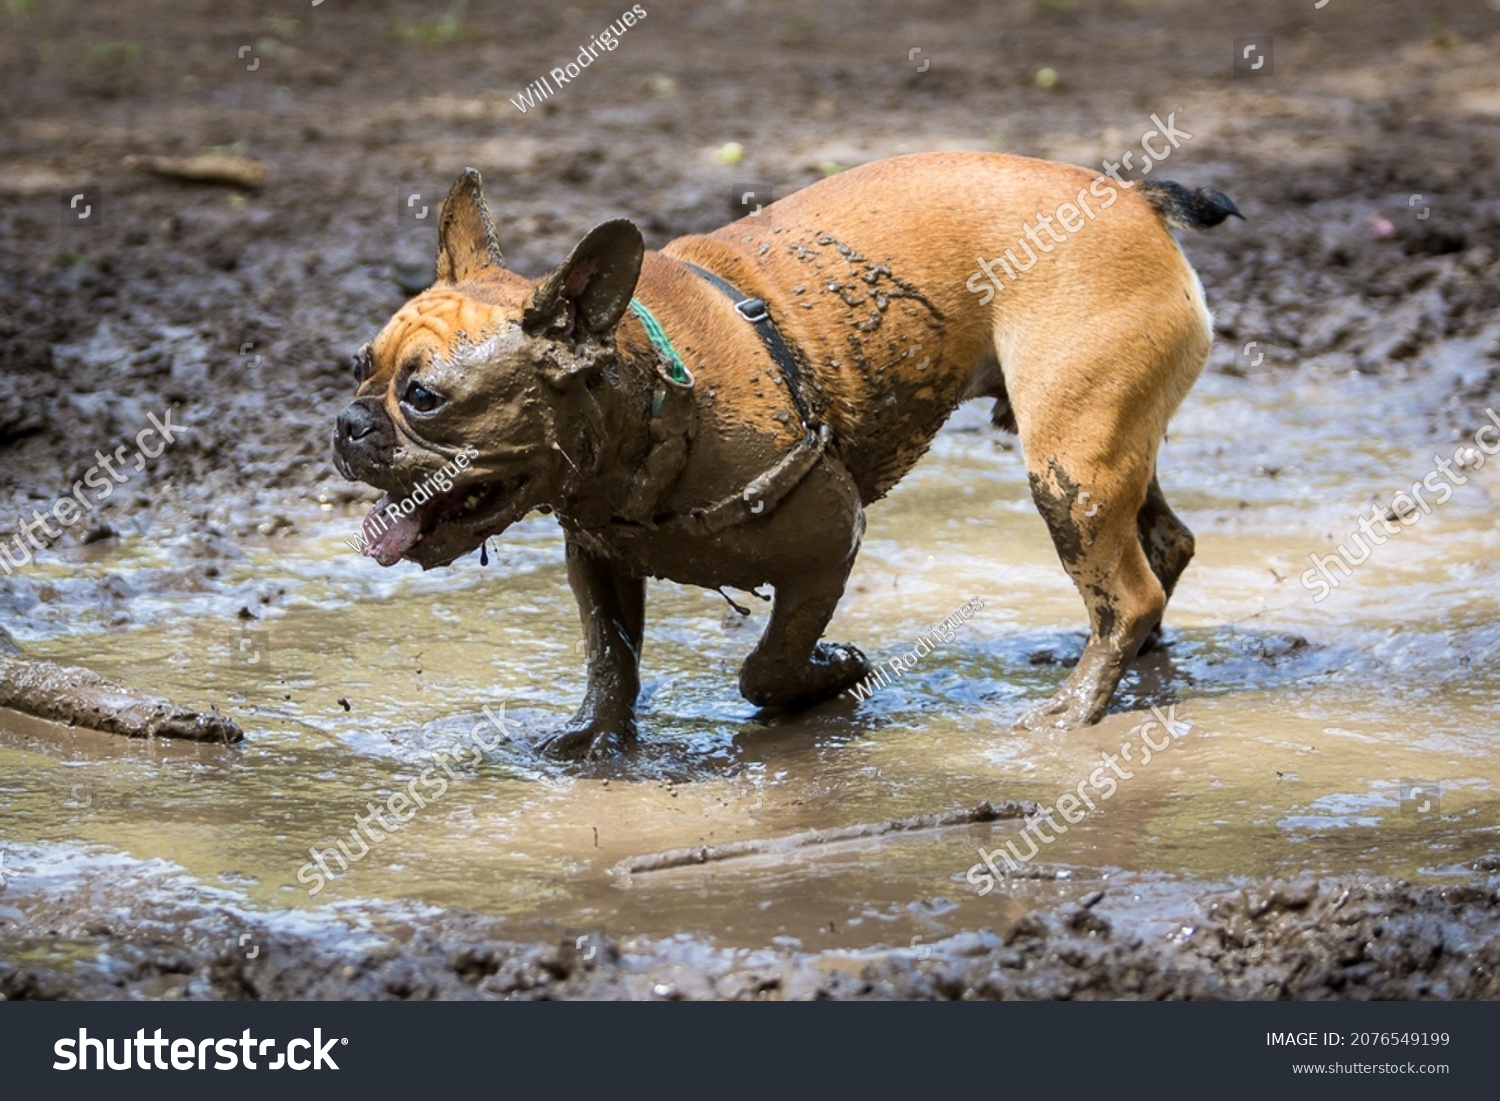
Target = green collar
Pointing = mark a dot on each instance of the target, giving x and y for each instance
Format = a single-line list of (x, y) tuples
[(677, 370)]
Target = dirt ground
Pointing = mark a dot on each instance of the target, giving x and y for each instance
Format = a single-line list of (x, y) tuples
[(1305, 940), (1364, 159)]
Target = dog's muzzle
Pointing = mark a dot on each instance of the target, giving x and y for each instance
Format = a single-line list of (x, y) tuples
[(356, 422), (362, 438)]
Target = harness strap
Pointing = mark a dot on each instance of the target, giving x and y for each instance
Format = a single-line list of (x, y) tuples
[(761, 496), (754, 311), (674, 422)]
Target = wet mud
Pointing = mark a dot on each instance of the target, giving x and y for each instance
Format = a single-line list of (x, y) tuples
[(1276, 940)]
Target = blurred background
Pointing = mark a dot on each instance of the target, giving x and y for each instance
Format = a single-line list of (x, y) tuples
[(1365, 116)]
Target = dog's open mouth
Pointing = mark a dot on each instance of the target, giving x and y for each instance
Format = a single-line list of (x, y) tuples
[(441, 529)]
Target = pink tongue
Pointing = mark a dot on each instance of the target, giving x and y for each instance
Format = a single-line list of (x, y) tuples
[(387, 538)]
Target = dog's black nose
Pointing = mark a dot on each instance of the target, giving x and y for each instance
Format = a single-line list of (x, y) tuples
[(356, 422)]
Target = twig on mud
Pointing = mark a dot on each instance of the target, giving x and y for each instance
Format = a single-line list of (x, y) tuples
[(734, 850), (207, 168), (79, 697)]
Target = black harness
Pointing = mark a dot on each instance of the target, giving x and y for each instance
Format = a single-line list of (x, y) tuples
[(674, 422), (754, 311)]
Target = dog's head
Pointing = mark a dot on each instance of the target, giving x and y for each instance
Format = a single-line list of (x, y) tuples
[(469, 383)]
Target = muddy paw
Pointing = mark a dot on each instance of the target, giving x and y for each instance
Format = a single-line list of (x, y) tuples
[(589, 741), (1062, 712), (834, 668), (837, 667)]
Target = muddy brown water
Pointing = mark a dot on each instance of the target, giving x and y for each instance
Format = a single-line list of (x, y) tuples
[(1368, 749)]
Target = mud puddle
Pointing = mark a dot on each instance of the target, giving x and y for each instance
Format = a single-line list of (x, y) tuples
[(1351, 737)]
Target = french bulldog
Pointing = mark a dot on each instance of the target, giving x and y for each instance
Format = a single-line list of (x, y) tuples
[(722, 411)]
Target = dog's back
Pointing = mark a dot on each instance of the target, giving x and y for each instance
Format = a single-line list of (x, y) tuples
[(914, 284)]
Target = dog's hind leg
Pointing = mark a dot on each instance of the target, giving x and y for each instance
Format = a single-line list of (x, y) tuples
[(1092, 407), (1168, 544), (1091, 512), (612, 607), (1091, 420)]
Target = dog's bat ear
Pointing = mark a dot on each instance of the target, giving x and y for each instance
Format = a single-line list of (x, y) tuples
[(467, 244), (590, 291)]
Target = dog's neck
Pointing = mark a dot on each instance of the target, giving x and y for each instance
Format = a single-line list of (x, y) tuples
[(628, 440)]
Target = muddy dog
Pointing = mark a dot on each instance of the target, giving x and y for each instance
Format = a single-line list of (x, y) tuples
[(721, 412)]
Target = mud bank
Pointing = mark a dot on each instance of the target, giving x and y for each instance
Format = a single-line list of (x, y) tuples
[(1304, 939)]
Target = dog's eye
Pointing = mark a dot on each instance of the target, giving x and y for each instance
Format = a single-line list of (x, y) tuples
[(421, 399)]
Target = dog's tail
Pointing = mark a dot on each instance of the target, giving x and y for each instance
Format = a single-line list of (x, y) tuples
[(1185, 209)]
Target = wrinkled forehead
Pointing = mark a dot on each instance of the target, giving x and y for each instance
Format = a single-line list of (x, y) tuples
[(438, 323)]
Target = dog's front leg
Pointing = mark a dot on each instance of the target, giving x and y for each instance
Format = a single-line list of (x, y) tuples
[(612, 607), (790, 668)]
